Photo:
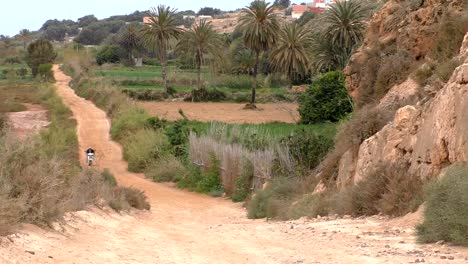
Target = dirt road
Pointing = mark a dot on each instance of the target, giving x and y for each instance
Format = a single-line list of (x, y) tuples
[(232, 113), (184, 227)]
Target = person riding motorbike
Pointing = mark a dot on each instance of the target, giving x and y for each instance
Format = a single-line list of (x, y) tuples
[(90, 152)]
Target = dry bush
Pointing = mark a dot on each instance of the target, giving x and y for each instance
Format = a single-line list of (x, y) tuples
[(310, 205), (388, 189), (446, 213), (364, 124), (445, 69), (394, 69), (166, 169), (125, 198), (423, 74)]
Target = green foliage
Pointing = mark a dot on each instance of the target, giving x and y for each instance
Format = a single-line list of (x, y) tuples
[(45, 72), (306, 17), (166, 169), (291, 53), (205, 95), (274, 200), (40, 52), (108, 177), (326, 100), (209, 11), (128, 122), (308, 149), (242, 184), (211, 182), (446, 214), (177, 135), (144, 147), (108, 54)]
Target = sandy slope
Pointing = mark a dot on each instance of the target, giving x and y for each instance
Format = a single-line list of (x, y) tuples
[(185, 227)]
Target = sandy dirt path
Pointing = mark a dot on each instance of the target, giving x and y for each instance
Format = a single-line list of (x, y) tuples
[(185, 227), (232, 113)]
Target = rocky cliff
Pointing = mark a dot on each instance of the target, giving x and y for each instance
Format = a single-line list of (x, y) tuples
[(429, 131)]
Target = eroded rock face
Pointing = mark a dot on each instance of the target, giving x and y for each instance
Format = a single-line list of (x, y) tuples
[(428, 137), (407, 26)]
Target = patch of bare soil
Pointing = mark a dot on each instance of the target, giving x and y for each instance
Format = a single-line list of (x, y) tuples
[(28, 122), (184, 227), (232, 113)]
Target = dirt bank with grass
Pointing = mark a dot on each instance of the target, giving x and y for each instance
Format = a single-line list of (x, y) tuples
[(28, 122), (225, 112), (185, 227)]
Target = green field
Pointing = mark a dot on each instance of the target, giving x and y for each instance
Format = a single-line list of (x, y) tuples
[(150, 78)]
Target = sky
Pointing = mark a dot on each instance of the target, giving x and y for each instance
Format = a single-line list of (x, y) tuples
[(31, 14)]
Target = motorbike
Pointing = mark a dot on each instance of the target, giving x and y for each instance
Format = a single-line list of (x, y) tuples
[(90, 158)]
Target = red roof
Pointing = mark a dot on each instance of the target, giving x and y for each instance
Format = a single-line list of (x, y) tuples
[(299, 8), (304, 8)]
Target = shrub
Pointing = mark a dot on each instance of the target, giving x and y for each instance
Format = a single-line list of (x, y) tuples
[(393, 70), (108, 177), (129, 121), (166, 169), (108, 54), (143, 148), (204, 95), (177, 135), (388, 189), (191, 179), (446, 214), (40, 52), (445, 69), (308, 149), (311, 205), (124, 198), (242, 183), (45, 72), (423, 73), (326, 100), (273, 201), (22, 72), (211, 182)]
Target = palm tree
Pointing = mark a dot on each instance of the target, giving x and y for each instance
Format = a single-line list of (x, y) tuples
[(291, 53), (345, 22), (129, 39), (326, 56), (259, 25), (157, 34), (199, 41), (25, 36)]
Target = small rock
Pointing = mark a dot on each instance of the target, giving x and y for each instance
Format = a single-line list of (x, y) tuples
[(443, 257), (451, 258), (401, 242), (30, 252), (358, 237), (419, 260), (387, 246), (50, 257), (440, 242), (292, 227)]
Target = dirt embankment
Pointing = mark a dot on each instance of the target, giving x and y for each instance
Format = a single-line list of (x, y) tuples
[(185, 227), (225, 112), (28, 122)]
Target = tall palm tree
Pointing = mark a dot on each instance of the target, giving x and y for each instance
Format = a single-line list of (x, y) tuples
[(259, 26), (328, 57), (345, 23), (291, 53), (157, 34), (25, 36), (199, 41)]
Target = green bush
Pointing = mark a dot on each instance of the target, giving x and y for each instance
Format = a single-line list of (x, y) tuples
[(40, 52), (191, 179), (143, 148), (308, 149), (108, 54), (446, 214), (326, 100), (128, 122), (242, 184), (211, 180), (311, 205), (45, 72), (108, 177), (204, 95)]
